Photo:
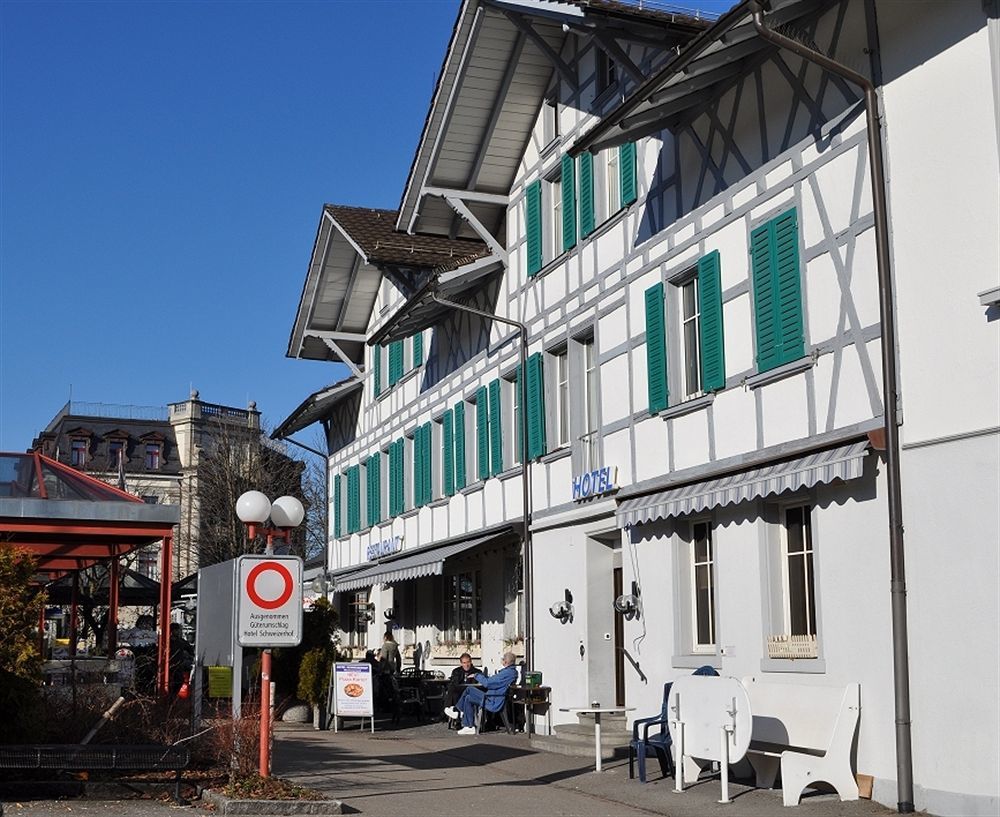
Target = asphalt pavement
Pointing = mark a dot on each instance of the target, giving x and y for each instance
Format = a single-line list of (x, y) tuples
[(428, 770)]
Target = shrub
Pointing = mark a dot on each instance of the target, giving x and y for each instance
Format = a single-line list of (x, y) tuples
[(314, 674)]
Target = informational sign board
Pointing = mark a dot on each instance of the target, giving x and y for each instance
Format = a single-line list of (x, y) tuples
[(352, 691), (269, 597)]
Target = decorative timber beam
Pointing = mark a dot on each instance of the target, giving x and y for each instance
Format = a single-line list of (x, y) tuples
[(609, 46), (569, 77)]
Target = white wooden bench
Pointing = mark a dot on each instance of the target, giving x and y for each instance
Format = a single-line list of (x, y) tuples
[(809, 730)]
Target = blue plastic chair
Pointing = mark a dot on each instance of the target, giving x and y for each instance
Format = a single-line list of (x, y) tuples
[(658, 743)]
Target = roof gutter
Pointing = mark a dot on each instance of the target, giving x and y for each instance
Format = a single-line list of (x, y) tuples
[(900, 649)]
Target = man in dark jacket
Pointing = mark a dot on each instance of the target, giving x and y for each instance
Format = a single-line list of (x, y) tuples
[(493, 695), (464, 673)]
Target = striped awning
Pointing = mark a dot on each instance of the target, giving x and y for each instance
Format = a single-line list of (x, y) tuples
[(428, 562), (843, 462)]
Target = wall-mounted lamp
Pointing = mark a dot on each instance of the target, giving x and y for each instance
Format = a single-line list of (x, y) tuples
[(389, 614), (323, 585), (629, 604), (563, 610)]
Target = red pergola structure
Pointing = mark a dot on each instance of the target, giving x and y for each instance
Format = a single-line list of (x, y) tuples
[(70, 521)]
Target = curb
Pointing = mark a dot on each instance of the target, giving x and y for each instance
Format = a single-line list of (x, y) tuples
[(270, 808)]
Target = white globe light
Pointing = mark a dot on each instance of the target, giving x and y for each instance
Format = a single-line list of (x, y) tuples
[(253, 507), (287, 512)]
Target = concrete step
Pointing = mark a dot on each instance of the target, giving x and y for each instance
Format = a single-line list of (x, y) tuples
[(562, 746), (584, 733)]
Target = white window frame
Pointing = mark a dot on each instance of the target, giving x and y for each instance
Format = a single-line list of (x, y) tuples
[(455, 633), (591, 405), (561, 413), (690, 348), (550, 119), (697, 647), (612, 182), (810, 569), (552, 243), (510, 398)]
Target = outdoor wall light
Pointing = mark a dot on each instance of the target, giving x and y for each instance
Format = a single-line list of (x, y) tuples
[(323, 584), (628, 604), (563, 610)]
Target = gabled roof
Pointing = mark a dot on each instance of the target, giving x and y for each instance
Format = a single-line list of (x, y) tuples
[(496, 72), (317, 406), (352, 246), (702, 71)]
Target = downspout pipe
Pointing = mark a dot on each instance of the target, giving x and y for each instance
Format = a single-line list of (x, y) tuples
[(527, 562), (900, 649)]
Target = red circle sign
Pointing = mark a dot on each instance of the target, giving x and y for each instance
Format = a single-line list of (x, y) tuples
[(260, 601)]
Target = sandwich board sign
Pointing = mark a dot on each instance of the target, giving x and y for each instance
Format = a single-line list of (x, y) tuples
[(269, 601)]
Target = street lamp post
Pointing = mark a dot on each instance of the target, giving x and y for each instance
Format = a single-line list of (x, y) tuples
[(286, 512)]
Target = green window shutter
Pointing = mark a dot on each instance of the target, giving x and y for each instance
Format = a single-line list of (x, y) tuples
[(536, 407), (377, 368), (374, 489), (448, 453), (397, 475), (777, 291), (391, 499), (428, 464), (418, 349), (496, 429), (626, 169), (533, 199), (418, 467), (459, 431), (568, 202), (353, 499), (713, 365), (482, 433), (586, 194), (656, 350), (788, 283), (395, 362), (337, 522)]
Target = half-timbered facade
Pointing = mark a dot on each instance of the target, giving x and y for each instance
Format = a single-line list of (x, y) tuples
[(683, 222)]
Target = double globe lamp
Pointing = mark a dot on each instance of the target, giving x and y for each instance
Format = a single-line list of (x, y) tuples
[(254, 508)]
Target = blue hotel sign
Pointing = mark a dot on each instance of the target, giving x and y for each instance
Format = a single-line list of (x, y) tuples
[(387, 547), (596, 482)]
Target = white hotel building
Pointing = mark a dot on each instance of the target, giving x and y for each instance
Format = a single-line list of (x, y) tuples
[(681, 216)]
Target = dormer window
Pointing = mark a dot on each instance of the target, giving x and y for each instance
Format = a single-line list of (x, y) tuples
[(78, 452), (152, 459), (116, 454), (607, 72)]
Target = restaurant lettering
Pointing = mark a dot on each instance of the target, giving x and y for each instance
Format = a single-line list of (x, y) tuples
[(593, 483), (387, 547)]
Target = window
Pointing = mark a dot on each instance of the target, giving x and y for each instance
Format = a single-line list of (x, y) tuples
[(462, 446), (607, 72), (699, 364), (78, 453), (357, 619), (590, 438), (116, 453), (797, 572), (152, 458), (511, 388), (612, 183), (690, 333), (461, 607), (702, 589), (376, 353), (554, 242), (550, 120), (777, 291), (561, 409), (149, 499)]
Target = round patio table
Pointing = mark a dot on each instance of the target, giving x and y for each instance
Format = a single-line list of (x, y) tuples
[(597, 711)]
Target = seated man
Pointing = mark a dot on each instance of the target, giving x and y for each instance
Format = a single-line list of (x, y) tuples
[(463, 674), (493, 697)]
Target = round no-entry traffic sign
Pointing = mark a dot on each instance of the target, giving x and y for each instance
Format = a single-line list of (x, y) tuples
[(284, 577), (269, 591)]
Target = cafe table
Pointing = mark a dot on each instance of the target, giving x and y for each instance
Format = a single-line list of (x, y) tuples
[(597, 711)]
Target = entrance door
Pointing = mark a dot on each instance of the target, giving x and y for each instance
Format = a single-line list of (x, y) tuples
[(616, 580)]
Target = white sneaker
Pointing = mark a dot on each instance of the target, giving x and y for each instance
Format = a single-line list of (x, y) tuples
[(451, 712), (467, 730)]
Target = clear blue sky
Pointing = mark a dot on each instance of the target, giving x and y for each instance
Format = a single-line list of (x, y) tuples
[(163, 166)]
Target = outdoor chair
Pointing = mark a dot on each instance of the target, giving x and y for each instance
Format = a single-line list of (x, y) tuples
[(658, 743)]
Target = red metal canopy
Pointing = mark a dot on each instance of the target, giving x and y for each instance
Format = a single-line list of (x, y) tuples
[(70, 521)]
